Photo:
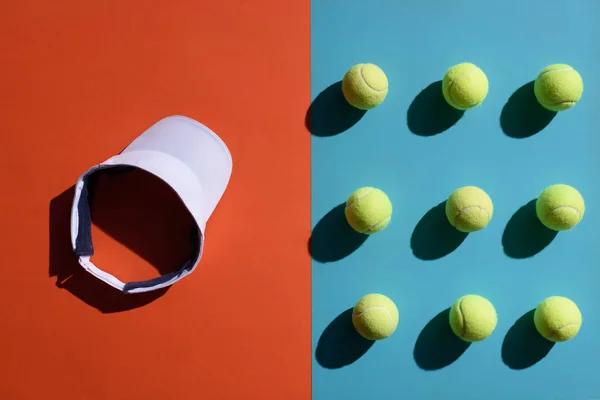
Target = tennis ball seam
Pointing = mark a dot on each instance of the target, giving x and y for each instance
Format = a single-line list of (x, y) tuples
[(372, 227), (556, 70), (463, 210), (569, 207), (378, 308), (359, 197), (367, 83), (452, 83), (463, 330), (556, 103), (554, 332)]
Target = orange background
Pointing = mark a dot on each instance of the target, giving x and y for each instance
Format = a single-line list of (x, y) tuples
[(79, 81)]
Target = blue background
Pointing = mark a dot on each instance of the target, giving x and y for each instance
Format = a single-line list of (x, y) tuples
[(415, 42)]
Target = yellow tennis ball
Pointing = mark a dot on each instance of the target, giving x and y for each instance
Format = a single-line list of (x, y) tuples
[(473, 318), (365, 86), (375, 317), (368, 210), (465, 86), (560, 207), (558, 87), (469, 209), (557, 319)]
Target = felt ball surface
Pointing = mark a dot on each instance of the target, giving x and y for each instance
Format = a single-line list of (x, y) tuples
[(469, 209), (375, 316), (557, 319), (368, 210), (365, 86), (473, 318), (465, 86), (560, 207), (558, 87)]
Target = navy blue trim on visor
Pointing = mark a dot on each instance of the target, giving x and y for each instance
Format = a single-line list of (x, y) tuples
[(83, 242), (157, 281)]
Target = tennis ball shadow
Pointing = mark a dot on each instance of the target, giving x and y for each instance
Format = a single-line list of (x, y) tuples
[(433, 236), (524, 235), (437, 346), (332, 238), (523, 346), (340, 344), (430, 114), (523, 116), (330, 114)]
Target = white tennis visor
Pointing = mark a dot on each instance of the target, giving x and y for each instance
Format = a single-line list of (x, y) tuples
[(187, 156)]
